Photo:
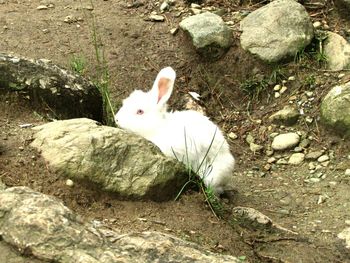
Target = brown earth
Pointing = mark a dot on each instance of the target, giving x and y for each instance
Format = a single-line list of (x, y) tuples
[(135, 50)]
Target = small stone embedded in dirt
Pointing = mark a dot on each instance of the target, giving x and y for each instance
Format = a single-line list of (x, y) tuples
[(285, 141), (114, 159), (317, 24), (232, 136), (277, 30), (277, 87), (156, 18), (70, 19), (164, 6), (69, 182), (249, 139), (42, 7), (282, 161), (283, 89), (347, 172), (287, 116), (62, 236), (298, 149), (271, 160), (323, 158), (210, 36), (255, 147), (296, 158), (311, 156), (173, 31)]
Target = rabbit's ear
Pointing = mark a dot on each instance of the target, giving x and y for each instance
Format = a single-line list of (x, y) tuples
[(163, 85)]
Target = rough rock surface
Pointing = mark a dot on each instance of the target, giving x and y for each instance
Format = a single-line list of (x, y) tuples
[(46, 85), (277, 30), (42, 226), (337, 51), (287, 116), (285, 141), (115, 159), (210, 35), (335, 109)]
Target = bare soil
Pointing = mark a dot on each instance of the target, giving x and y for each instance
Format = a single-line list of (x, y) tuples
[(135, 50)]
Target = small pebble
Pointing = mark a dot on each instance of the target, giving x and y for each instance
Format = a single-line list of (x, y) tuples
[(283, 89), (156, 18), (173, 31), (164, 6), (317, 24), (193, 5), (341, 75), (291, 78), (271, 160), (277, 95), (42, 7), (323, 158), (232, 136), (309, 119), (347, 172), (69, 182), (277, 87), (309, 93)]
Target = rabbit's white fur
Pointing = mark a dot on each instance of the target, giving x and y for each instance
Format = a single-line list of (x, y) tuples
[(185, 134)]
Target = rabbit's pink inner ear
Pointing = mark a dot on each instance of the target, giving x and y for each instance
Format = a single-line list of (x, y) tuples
[(163, 87)]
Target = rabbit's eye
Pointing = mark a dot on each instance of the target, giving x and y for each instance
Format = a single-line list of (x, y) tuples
[(139, 112)]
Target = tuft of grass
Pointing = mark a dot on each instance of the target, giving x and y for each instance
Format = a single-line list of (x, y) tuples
[(277, 75), (195, 177), (313, 52), (102, 79), (310, 81), (78, 64), (254, 86)]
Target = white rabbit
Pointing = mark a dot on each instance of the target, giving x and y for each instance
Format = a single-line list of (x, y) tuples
[(186, 135)]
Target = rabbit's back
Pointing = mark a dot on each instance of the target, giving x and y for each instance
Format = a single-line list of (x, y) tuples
[(197, 142)]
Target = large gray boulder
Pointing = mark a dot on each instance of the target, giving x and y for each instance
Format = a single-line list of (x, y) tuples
[(337, 51), (50, 88), (115, 159), (277, 30), (335, 109), (210, 36), (41, 226)]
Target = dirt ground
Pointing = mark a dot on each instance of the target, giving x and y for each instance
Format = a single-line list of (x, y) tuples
[(135, 50)]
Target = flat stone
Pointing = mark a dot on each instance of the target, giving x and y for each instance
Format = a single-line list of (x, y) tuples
[(285, 141), (296, 158), (323, 158), (313, 155), (287, 116)]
